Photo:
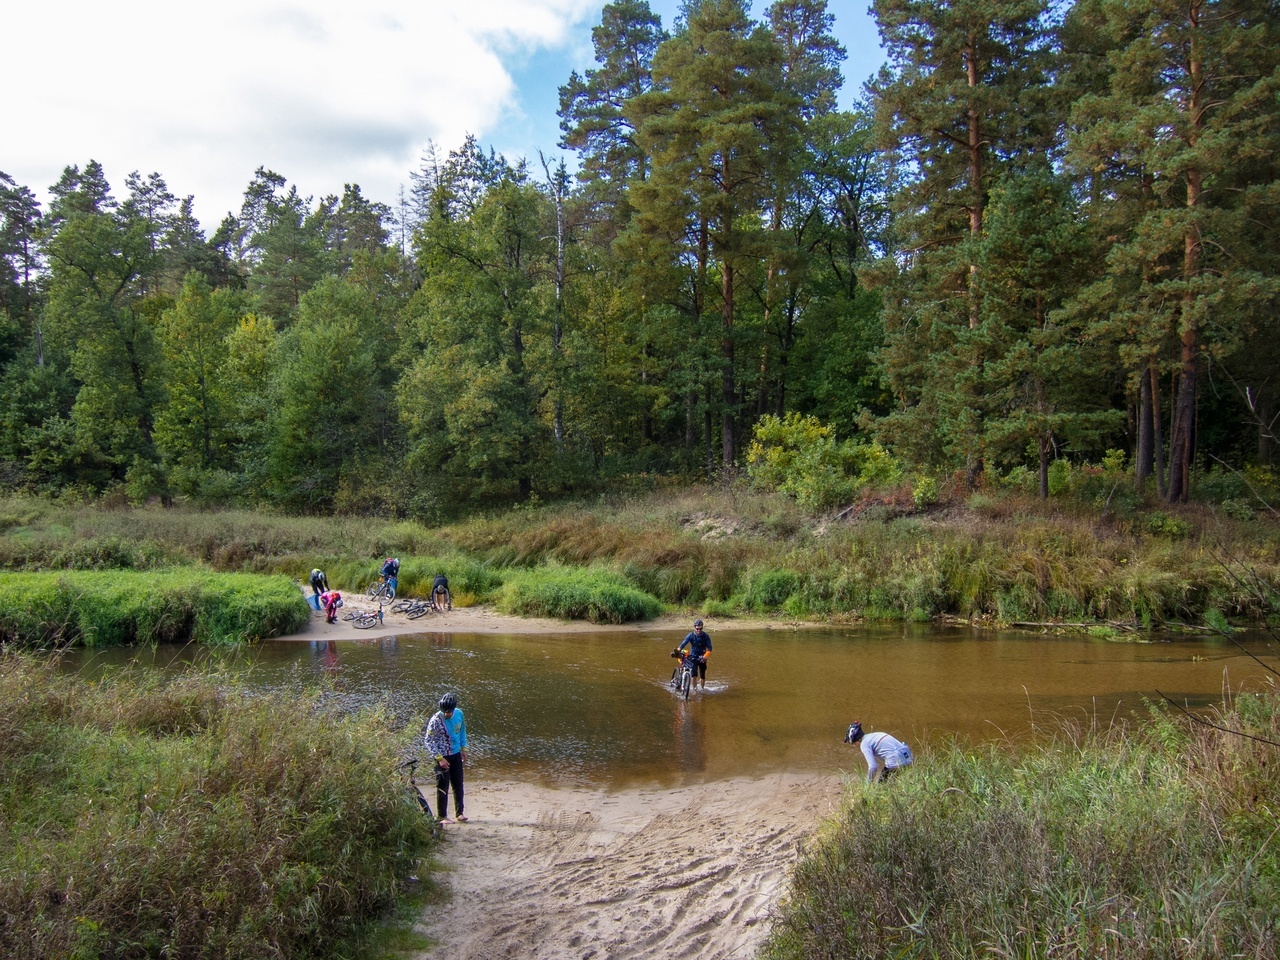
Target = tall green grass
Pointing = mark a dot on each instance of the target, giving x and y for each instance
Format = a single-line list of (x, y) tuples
[(1001, 558), (102, 608), (145, 818), (575, 594), (1146, 842)]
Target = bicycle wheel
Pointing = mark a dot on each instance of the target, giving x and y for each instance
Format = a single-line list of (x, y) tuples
[(374, 589), (686, 681), (367, 620), (351, 615)]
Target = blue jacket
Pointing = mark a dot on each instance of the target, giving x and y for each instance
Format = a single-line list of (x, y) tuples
[(445, 736), (698, 643)]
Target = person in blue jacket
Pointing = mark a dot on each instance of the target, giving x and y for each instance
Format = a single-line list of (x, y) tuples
[(446, 741), (391, 572), (699, 644)]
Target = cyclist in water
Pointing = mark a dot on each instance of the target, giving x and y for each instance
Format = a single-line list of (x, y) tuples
[(699, 644), (440, 594), (882, 752), (446, 740)]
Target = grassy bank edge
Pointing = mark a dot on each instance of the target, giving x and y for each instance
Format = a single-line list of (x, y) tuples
[(146, 816), (1155, 840), (120, 607)]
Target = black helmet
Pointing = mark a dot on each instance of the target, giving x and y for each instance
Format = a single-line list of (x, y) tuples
[(855, 732), (697, 623), (449, 702)]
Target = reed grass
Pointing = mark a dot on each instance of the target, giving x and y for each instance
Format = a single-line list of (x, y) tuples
[(1152, 841), (103, 608), (1000, 558), (146, 818)]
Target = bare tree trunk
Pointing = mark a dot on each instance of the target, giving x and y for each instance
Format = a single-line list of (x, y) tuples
[(1182, 438), (1157, 428), (1144, 455), (1044, 467)]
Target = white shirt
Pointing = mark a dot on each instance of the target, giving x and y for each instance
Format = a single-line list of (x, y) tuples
[(878, 747)]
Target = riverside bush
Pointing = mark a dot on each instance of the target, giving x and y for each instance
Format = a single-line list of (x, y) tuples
[(575, 594), (770, 589), (188, 818), (1154, 842), (102, 608)]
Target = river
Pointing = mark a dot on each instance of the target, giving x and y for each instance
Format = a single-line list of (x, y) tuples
[(595, 709)]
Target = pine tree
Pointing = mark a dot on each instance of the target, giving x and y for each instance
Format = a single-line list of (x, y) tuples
[(714, 125), (963, 100), (1182, 123), (593, 112)]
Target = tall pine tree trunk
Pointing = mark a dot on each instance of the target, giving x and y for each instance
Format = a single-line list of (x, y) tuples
[(1144, 455), (1182, 440), (727, 373)]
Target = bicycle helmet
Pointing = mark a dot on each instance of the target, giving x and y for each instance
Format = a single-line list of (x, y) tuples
[(855, 732), (449, 702), (697, 623)]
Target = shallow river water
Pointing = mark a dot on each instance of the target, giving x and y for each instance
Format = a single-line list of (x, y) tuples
[(596, 708)]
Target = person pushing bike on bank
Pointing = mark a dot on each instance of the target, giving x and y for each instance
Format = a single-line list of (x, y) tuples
[(699, 644)]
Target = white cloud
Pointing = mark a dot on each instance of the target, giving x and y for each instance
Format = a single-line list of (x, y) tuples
[(321, 92)]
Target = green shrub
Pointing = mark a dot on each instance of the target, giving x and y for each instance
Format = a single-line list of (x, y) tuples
[(1059, 477), (799, 456), (1163, 525), (770, 589), (575, 594)]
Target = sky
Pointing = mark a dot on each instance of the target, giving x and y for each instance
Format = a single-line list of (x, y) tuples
[(323, 93)]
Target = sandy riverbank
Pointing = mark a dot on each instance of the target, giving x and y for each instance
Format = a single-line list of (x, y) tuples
[(487, 620), (691, 872)]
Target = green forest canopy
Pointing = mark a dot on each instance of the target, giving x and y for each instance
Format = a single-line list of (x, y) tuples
[(1045, 232)]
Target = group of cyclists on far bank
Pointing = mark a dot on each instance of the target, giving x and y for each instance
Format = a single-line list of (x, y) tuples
[(383, 589)]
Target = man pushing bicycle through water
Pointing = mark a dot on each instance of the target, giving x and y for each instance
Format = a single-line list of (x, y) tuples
[(699, 644)]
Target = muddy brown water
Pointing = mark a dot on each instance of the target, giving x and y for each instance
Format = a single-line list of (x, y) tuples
[(597, 710)]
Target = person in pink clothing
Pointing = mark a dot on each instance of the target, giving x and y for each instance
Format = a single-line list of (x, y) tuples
[(331, 600)]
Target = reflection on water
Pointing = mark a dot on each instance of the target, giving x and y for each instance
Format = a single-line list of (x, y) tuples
[(598, 708)]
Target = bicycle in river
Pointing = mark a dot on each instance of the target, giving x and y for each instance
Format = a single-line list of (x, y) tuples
[(682, 675)]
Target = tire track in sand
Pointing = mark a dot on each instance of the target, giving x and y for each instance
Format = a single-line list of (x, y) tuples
[(553, 874)]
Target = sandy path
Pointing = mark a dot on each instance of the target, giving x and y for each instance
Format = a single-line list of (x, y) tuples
[(546, 874)]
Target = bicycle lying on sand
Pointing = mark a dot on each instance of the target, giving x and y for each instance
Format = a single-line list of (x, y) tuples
[(413, 609), (364, 619)]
